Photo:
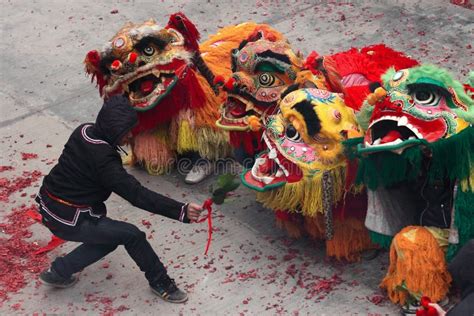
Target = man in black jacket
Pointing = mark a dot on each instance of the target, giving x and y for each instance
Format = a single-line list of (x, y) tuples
[(71, 201)]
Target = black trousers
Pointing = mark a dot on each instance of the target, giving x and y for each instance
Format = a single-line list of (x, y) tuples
[(100, 237)]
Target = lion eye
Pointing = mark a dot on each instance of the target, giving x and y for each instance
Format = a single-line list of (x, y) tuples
[(266, 79), (426, 97), (292, 134), (149, 50)]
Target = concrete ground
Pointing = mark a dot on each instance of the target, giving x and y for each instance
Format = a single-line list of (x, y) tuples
[(252, 268)]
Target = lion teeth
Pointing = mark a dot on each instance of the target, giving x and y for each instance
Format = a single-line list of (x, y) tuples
[(156, 72), (403, 121)]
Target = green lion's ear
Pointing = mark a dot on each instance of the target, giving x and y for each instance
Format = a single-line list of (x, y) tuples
[(364, 115), (387, 76)]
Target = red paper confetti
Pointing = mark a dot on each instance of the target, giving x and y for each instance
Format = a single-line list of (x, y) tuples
[(8, 187), (17, 254), (6, 168), (28, 156)]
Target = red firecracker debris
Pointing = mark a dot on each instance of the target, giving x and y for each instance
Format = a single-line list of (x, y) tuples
[(322, 287), (252, 274), (6, 168), (376, 299), (17, 253), (28, 156), (146, 223), (8, 187), (107, 309)]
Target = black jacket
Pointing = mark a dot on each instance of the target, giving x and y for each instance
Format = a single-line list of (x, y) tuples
[(463, 276), (90, 169)]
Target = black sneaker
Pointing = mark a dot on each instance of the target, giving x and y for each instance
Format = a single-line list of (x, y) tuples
[(51, 278), (166, 289)]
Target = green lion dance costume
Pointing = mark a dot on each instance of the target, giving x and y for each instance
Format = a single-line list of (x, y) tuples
[(417, 160), (304, 172)]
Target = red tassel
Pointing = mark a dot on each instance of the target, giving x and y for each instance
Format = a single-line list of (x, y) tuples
[(207, 206), (182, 24), (53, 244)]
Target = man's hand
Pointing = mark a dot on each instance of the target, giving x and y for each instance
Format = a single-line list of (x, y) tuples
[(193, 212)]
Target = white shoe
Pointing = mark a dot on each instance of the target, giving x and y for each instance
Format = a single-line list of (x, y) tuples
[(199, 172)]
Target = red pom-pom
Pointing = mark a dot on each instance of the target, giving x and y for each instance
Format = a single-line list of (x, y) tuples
[(229, 85), (220, 80), (93, 57), (132, 57), (116, 64), (431, 311), (310, 62), (425, 301), (421, 312)]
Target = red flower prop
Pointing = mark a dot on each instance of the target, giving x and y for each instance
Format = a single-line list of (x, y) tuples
[(426, 309)]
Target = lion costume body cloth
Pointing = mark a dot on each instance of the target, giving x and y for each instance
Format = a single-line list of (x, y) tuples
[(303, 175), (169, 78), (263, 67), (417, 160)]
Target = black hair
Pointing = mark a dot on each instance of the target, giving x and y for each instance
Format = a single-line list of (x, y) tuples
[(288, 90), (313, 124)]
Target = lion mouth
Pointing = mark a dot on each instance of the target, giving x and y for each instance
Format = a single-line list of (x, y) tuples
[(392, 130), (148, 87), (271, 170), (397, 132), (236, 111)]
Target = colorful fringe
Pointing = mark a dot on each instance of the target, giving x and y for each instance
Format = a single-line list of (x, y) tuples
[(349, 240), (154, 151), (292, 228), (213, 144), (417, 262), (305, 196), (452, 158)]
